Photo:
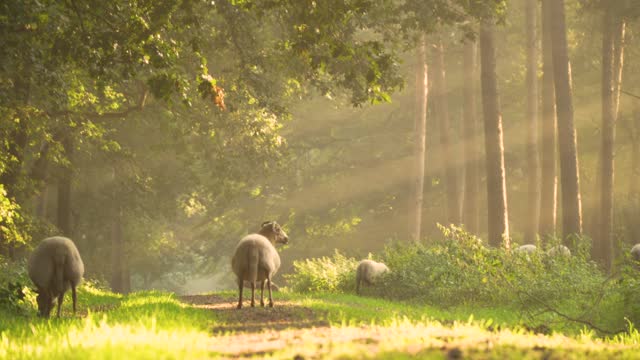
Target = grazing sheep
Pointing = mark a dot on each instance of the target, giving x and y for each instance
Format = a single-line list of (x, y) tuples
[(54, 267), (635, 252), (256, 259), (368, 271), (559, 250)]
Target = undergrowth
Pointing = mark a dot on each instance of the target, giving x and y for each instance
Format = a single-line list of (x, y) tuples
[(459, 270)]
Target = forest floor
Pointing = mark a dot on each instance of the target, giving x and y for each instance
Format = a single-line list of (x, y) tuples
[(156, 325), (304, 328)]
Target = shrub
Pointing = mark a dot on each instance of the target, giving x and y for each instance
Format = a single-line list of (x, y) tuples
[(332, 274), (16, 295)]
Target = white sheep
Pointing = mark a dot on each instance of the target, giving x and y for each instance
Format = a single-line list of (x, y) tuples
[(256, 259), (526, 249), (54, 267), (635, 252), (368, 271)]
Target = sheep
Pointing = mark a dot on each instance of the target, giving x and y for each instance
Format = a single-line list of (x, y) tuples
[(526, 249), (635, 252), (560, 250), (256, 259), (54, 267), (274, 286), (368, 271)]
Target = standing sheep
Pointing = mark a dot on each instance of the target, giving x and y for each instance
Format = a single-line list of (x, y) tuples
[(368, 271), (54, 267), (635, 252), (256, 259)]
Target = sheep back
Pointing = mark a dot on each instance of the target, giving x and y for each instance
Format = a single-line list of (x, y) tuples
[(55, 264), (255, 259), (527, 248)]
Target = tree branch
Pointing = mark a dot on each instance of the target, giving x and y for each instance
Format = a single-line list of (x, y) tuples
[(630, 94), (112, 115)]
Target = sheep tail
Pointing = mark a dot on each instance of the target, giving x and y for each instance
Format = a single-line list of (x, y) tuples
[(253, 260)]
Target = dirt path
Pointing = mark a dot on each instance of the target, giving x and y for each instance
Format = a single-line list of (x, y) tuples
[(251, 332), (284, 315), (292, 331)]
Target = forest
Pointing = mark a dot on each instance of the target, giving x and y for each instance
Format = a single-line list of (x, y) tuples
[(486, 152)]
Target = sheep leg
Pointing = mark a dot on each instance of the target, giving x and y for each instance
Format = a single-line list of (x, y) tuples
[(269, 285), (253, 292), (60, 298), (262, 293), (74, 297), (240, 286)]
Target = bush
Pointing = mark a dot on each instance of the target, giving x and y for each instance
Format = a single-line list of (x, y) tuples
[(332, 274), (458, 269), (15, 292)]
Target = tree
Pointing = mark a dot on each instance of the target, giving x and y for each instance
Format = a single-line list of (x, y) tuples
[(533, 164), (549, 181), (567, 139), (498, 222), (420, 128), (440, 99), (471, 139), (613, 29)]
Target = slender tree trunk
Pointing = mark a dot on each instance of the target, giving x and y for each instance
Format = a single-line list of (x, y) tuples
[(117, 241), (64, 189), (439, 93), (567, 140), (494, 146), (533, 164), (611, 76), (549, 182), (634, 135), (471, 138), (415, 207), (117, 254)]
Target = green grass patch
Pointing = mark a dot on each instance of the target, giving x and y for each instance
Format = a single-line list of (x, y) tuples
[(147, 324)]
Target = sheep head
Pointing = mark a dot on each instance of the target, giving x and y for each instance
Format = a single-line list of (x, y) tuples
[(273, 231)]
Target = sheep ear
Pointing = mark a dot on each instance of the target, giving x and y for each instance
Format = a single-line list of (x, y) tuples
[(265, 223)]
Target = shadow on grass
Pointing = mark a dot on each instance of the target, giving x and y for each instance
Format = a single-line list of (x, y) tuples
[(284, 315)]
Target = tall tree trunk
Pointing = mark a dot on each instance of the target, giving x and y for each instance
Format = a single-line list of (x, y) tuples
[(471, 138), (549, 178), (117, 241), (117, 253), (494, 146), (533, 163), (64, 188), (420, 129), (612, 56), (634, 136), (567, 140), (439, 93)]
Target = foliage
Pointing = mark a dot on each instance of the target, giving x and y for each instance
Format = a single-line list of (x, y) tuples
[(460, 270), (16, 296), (332, 274)]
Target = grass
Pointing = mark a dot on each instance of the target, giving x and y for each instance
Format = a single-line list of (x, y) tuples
[(156, 325)]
